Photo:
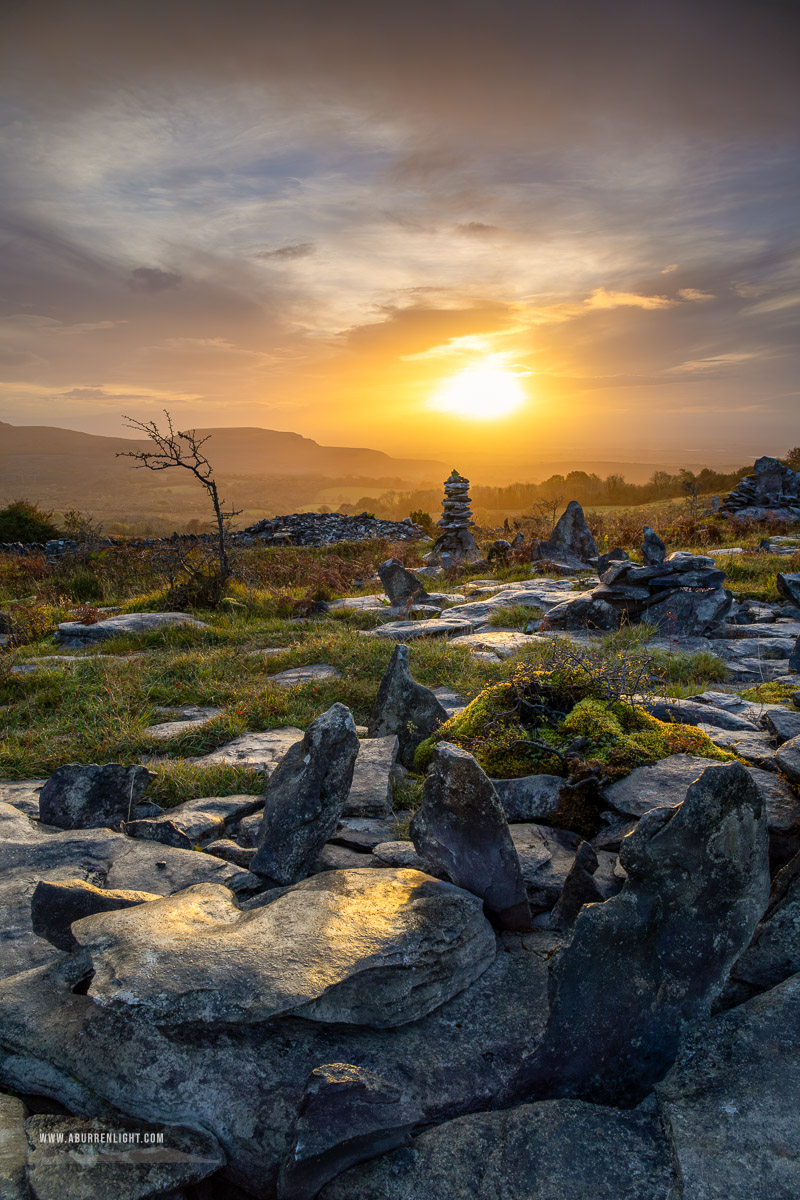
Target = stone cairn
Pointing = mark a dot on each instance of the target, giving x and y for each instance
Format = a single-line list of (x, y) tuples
[(455, 544), (680, 595), (772, 490)]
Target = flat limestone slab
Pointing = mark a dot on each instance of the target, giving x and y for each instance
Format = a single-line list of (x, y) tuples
[(664, 784), (296, 676), (364, 947), (125, 625), (262, 751), (191, 717), (23, 794), (407, 631), (371, 790), (30, 852), (500, 642)]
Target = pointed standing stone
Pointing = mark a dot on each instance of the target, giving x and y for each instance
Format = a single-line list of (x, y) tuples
[(304, 797), (644, 965), (461, 830), (653, 549), (404, 707)]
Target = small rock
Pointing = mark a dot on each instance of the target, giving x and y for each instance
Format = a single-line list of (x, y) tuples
[(787, 759), (654, 552), (261, 751), (231, 852), (784, 723), (347, 1115), (530, 797), (297, 676), (401, 585), (579, 889), (124, 625)]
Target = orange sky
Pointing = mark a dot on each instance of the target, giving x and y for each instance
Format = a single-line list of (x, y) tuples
[(311, 217)]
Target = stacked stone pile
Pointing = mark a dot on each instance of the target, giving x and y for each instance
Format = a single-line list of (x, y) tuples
[(772, 490), (680, 594), (455, 543)]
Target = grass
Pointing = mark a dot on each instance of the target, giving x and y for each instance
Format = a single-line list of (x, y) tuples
[(97, 710), (772, 692), (516, 616)]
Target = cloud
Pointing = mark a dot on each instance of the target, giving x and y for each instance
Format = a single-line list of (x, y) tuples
[(298, 250), (477, 229), (98, 393), (153, 279), (601, 298), (695, 294)]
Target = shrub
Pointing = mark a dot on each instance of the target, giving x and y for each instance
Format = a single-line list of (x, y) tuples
[(23, 521)]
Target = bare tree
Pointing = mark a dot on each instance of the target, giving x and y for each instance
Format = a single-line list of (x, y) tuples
[(176, 448)]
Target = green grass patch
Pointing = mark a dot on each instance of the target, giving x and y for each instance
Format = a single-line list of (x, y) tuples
[(773, 692), (516, 616)]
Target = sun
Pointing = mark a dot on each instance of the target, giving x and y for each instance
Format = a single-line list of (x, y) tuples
[(484, 392)]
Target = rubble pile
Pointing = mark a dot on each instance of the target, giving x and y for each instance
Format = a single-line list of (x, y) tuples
[(772, 490), (682, 592)]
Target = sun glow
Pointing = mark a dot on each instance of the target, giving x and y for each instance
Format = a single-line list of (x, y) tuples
[(484, 392)]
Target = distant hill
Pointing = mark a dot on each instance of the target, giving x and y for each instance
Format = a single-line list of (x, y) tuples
[(31, 451), (262, 472)]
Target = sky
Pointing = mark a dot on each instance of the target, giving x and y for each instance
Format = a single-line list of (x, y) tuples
[(498, 230)]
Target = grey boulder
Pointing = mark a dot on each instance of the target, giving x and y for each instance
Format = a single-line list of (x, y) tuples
[(347, 1115), (571, 541), (30, 852), (461, 829), (731, 1103), (789, 587), (55, 905), (305, 796), (91, 797), (774, 953), (362, 947), (400, 584), (648, 962), (529, 797), (370, 793), (79, 1158), (404, 707), (556, 1150)]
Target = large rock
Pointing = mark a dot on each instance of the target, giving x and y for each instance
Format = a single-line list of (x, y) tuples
[(557, 1150), (74, 1158), (400, 584), (584, 612), (30, 852), (370, 793), (124, 625), (195, 820), (461, 829), (404, 707), (731, 1103), (362, 947), (571, 541), (55, 905), (245, 1085), (305, 796), (651, 960), (691, 614), (92, 797), (347, 1115)]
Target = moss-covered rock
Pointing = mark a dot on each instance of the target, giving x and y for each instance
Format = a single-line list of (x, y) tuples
[(509, 735)]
